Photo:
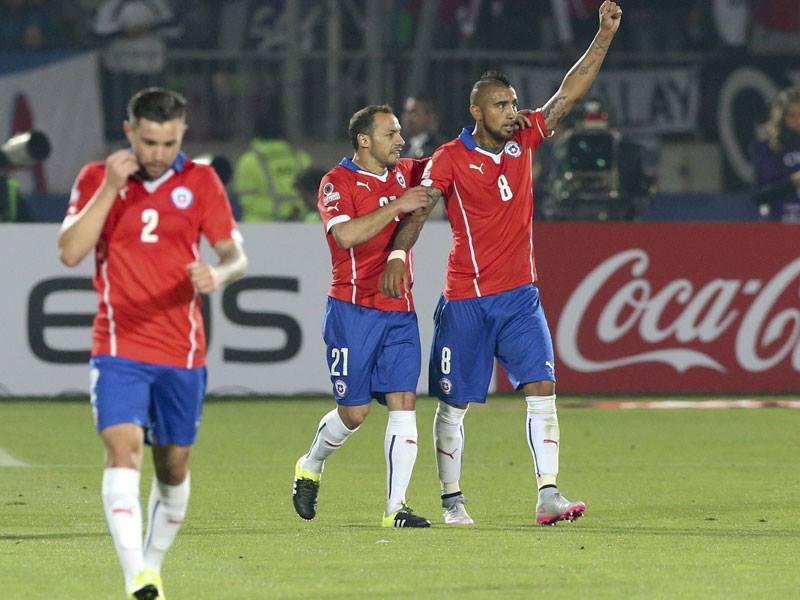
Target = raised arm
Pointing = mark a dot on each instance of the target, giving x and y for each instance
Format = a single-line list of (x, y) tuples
[(582, 75), (394, 281)]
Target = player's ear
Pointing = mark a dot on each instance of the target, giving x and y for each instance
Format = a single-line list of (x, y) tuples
[(363, 140), (127, 127), (476, 112)]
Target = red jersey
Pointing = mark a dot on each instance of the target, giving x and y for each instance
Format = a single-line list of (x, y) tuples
[(489, 202), (347, 192), (147, 308)]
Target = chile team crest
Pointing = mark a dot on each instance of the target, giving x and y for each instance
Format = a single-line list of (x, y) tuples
[(401, 180), (182, 197), (513, 149)]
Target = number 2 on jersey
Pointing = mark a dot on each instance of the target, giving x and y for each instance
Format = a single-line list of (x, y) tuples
[(337, 355), (505, 190), (150, 220)]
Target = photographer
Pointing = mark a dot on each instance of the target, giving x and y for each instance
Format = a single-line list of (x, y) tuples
[(12, 206), (21, 151), (594, 173), (776, 159)]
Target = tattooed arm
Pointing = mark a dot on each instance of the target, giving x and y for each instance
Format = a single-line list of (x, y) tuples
[(394, 281), (582, 75)]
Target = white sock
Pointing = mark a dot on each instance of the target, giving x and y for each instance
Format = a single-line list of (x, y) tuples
[(124, 517), (331, 434), (543, 437), (166, 511), (448, 440), (400, 448)]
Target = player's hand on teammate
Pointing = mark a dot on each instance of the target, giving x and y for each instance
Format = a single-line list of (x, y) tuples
[(414, 198), (119, 166), (610, 16), (394, 281), (203, 277), (522, 121)]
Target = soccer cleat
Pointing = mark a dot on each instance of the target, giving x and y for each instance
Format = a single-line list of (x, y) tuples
[(552, 508), (454, 511), (146, 586), (304, 491), (405, 517)]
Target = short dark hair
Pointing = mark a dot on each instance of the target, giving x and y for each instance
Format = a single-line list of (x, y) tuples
[(364, 120), (156, 104), (487, 79), (308, 180), (427, 102)]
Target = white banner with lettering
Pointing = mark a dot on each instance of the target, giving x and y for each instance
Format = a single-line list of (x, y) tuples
[(643, 101), (266, 332)]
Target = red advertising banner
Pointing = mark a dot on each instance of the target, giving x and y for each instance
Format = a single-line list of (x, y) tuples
[(671, 307)]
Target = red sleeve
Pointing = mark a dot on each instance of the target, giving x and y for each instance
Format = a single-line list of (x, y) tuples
[(334, 200), (86, 184), (536, 133), (438, 171), (217, 223), (415, 169)]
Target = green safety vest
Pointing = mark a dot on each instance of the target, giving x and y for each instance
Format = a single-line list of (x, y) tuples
[(264, 181), (9, 200)]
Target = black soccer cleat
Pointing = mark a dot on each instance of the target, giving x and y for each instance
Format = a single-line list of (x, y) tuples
[(148, 592), (304, 491), (405, 517)]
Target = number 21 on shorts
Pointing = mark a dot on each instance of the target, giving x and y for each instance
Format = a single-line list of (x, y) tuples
[(339, 361)]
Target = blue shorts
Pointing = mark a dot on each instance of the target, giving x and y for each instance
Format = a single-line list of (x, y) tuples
[(370, 352), (166, 401), (469, 333)]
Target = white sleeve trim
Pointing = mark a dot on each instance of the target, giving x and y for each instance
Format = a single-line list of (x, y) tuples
[(336, 220)]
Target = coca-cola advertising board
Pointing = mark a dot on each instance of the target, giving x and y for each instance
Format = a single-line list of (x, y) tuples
[(672, 307)]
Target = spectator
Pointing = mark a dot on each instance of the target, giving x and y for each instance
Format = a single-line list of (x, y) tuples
[(12, 206), (307, 185), (776, 28), (264, 175), (420, 127), (29, 25), (134, 54), (776, 159)]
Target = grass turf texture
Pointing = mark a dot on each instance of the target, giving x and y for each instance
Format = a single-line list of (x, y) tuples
[(688, 503)]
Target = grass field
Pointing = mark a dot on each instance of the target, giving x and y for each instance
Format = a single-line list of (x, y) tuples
[(681, 504)]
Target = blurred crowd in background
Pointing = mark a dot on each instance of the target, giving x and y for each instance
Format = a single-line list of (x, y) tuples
[(232, 59), (651, 25)]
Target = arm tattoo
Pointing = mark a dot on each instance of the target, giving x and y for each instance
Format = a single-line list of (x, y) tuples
[(585, 68), (554, 111)]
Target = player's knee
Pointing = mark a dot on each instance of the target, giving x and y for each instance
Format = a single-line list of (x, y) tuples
[(172, 474), (353, 416), (401, 401), (123, 456), (539, 388)]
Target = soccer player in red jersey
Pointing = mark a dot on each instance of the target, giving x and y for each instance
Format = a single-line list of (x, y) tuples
[(143, 211), (490, 306), (372, 341)]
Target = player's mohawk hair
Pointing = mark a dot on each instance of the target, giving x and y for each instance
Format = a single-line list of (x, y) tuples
[(488, 78)]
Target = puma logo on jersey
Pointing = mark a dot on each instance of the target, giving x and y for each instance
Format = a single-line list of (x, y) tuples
[(363, 184), (332, 207), (477, 168)]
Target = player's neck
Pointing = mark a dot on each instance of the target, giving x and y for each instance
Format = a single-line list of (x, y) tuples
[(486, 140), (368, 164)]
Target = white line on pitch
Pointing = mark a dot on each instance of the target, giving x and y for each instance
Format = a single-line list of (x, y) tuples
[(6, 460)]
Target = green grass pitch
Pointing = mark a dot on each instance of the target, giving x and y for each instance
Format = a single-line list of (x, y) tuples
[(681, 504)]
